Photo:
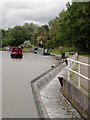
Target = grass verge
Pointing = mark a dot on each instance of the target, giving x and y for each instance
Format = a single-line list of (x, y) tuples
[(25, 49), (71, 77), (69, 49)]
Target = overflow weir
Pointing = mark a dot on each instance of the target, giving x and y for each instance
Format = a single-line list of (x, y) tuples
[(49, 99)]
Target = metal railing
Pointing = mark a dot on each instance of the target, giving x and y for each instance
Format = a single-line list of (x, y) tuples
[(69, 68)]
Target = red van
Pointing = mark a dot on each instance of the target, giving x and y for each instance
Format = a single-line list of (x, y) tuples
[(16, 53)]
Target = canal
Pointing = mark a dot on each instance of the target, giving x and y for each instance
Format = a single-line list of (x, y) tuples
[(17, 98)]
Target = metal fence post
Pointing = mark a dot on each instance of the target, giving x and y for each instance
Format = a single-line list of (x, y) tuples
[(68, 70), (78, 75)]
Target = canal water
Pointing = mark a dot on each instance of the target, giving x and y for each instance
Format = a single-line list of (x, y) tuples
[(17, 98)]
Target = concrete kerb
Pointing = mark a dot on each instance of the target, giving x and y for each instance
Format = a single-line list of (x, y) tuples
[(39, 83)]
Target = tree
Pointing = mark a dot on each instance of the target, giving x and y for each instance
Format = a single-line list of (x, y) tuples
[(27, 44), (31, 28), (72, 26), (41, 33), (16, 36)]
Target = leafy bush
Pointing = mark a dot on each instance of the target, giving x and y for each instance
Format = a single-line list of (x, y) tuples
[(27, 44)]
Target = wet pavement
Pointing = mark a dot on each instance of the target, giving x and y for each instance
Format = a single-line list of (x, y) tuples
[(56, 105)]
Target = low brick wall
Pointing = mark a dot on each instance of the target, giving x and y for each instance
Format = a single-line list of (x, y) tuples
[(78, 97)]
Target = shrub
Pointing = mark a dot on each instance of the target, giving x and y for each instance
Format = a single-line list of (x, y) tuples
[(27, 44)]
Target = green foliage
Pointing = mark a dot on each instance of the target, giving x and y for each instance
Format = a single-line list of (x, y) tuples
[(15, 36), (27, 44), (40, 36), (0, 37), (63, 50), (30, 28), (70, 29), (26, 49)]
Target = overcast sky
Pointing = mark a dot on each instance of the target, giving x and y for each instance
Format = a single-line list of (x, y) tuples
[(17, 12)]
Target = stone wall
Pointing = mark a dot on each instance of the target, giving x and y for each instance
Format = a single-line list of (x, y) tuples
[(78, 97)]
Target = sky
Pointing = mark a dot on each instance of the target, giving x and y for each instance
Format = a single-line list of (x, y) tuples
[(17, 12)]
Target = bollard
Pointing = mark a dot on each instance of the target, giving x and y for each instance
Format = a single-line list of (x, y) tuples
[(61, 80), (66, 62), (52, 66), (63, 55)]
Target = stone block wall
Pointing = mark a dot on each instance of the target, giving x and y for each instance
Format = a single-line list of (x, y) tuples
[(79, 98)]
